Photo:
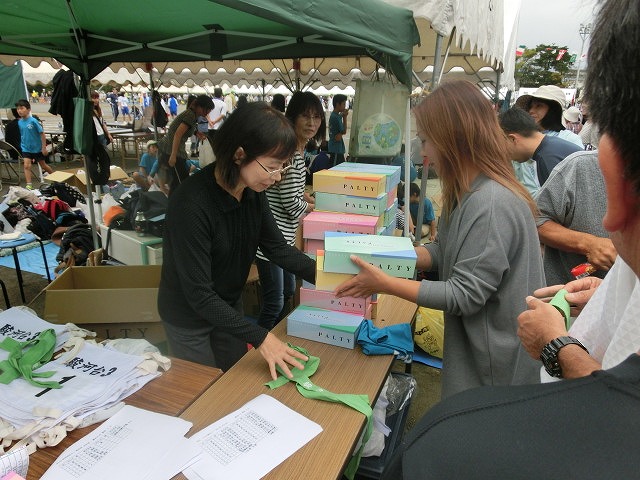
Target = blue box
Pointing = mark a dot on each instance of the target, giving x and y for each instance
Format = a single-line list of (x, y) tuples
[(325, 326), (333, 202), (391, 171), (395, 256)]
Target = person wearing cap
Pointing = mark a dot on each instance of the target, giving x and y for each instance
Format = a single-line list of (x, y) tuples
[(147, 167), (572, 119), (546, 105)]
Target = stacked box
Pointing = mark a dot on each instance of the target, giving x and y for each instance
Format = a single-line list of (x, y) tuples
[(348, 201), (326, 326), (394, 255), (392, 172), (342, 182)]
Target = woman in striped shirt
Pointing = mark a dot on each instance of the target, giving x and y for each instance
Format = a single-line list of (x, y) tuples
[(288, 203)]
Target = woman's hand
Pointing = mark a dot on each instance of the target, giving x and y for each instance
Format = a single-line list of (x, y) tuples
[(172, 160), (370, 280), (276, 352)]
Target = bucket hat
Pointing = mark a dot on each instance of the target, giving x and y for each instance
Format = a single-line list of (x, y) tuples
[(545, 92), (151, 142), (572, 114)]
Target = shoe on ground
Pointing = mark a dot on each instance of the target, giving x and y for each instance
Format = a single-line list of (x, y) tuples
[(29, 187)]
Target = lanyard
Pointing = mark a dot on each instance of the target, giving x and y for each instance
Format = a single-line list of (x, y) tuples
[(309, 390), (25, 357)]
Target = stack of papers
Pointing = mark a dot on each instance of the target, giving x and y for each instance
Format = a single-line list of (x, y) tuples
[(246, 444), (93, 381)]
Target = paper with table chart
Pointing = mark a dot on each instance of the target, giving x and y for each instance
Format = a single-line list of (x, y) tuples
[(134, 443), (251, 441)]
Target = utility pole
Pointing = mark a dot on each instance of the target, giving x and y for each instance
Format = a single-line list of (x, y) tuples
[(585, 31)]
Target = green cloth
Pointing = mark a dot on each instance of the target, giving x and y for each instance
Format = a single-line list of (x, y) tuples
[(560, 302), (309, 390), (25, 357)]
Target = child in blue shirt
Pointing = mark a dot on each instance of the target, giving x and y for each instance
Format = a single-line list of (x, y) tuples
[(144, 176), (429, 217), (33, 142)]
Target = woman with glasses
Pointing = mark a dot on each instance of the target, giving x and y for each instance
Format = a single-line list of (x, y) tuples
[(288, 203), (215, 223)]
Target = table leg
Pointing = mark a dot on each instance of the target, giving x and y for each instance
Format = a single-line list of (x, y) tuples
[(44, 257), (16, 261)]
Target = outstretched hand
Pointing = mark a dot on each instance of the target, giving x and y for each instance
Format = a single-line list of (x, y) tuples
[(370, 280), (276, 352)]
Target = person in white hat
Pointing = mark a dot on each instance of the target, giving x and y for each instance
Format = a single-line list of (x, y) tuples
[(546, 105), (572, 119)]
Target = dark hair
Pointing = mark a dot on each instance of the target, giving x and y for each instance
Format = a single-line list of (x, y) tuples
[(190, 99), (242, 101), (304, 102), (516, 120), (339, 98), (23, 103), (414, 189), (203, 101), (260, 130), (14, 111), (553, 119), (278, 102), (217, 92), (97, 110), (612, 86)]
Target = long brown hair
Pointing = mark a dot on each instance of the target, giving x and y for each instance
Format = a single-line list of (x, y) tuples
[(463, 128)]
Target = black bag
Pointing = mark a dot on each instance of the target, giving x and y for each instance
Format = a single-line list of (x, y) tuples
[(98, 164), (160, 119), (152, 204), (41, 224)]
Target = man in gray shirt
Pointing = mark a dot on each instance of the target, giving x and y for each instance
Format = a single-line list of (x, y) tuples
[(572, 203)]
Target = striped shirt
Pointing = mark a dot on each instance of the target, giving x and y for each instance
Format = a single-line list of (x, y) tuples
[(286, 200)]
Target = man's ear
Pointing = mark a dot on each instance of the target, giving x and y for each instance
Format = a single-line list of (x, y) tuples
[(622, 202)]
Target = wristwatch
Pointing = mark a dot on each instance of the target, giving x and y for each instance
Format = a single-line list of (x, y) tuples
[(549, 355)]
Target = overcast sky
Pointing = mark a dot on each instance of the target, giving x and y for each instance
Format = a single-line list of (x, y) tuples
[(554, 22)]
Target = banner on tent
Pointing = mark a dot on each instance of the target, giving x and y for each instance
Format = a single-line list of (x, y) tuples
[(378, 121)]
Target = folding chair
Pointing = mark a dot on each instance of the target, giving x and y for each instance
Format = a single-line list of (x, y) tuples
[(10, 175), (9, 161)]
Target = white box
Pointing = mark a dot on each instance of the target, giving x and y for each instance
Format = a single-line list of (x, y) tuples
[(127, 247)]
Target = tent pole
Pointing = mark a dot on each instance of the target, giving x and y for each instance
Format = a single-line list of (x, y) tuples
[(437, 61), (407, 164)]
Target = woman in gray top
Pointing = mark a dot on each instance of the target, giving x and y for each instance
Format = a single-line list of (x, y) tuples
[(487, 252)]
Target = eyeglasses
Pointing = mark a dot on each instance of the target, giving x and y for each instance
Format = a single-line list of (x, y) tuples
[(272, 173), (315, 118)]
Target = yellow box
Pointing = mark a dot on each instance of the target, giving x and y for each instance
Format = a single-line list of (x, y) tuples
[(325, 280), (369, 185)]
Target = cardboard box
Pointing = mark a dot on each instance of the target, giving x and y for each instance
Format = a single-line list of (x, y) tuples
[(325, 326), (326, 280), (316, 223), (114, 302), (332, 202), (77, 177), (392, 172), (362, 184), (393, 255), (327, 300)]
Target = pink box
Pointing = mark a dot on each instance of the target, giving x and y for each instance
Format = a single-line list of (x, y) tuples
[(312, 245), (316, 223), (328, 301)]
